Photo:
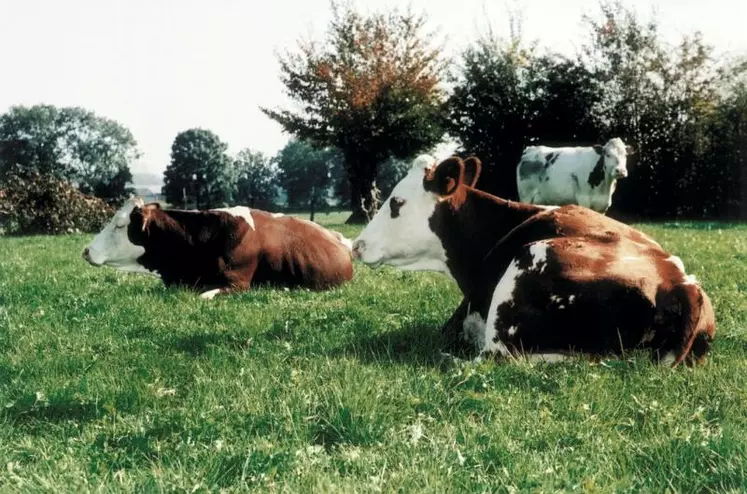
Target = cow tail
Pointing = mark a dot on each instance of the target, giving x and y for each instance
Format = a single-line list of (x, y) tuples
[(690, 311)]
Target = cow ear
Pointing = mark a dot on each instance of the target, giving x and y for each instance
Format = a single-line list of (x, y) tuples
[(629, 150), (599, 148), (445, 178), (472, 169)]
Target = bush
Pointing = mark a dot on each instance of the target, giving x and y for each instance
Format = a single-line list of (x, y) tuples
[(42, 204)]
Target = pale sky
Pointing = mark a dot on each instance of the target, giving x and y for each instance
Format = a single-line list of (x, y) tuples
[(160, 67)]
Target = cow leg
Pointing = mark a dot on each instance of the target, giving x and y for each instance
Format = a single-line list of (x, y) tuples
[(452, 329)]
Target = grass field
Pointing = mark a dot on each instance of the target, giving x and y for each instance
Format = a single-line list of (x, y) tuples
[(110, 382)]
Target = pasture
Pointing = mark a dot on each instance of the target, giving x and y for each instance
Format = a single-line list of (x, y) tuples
[(110, 382)]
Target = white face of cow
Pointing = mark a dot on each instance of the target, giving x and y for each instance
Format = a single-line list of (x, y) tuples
[(616, 158), (112, 247), (399, 234)]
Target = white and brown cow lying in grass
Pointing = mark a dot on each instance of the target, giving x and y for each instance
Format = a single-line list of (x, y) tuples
[(545, 281), (221, 250)]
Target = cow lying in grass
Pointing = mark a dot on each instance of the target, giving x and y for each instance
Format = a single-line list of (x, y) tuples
[(221, 250), (544, 281)]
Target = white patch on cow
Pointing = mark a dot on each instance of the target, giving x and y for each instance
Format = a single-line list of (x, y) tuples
[(473, 329), (539, 254), (239, 212), (406, 241), (630, 258), (512, 330), (210, 294), (571, 298), (677, 262), (112, 247), (504, 293), (668, 359), (277, 215), (549, 358), (690, 279)]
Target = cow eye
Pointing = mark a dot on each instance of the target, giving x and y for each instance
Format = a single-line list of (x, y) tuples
[(395, 203)]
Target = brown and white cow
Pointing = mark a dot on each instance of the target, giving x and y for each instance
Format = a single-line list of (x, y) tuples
[(221, 250), (542, 281)]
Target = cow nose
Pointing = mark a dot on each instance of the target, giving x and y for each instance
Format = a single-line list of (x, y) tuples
[(358, 247)]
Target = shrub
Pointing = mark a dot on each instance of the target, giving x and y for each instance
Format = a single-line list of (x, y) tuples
[(42, 204)]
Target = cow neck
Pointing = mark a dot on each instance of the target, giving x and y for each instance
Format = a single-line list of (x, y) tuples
[(469, 231)]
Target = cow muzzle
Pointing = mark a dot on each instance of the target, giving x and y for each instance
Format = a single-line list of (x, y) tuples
[(87, 257), (358, 247), (620, 173)]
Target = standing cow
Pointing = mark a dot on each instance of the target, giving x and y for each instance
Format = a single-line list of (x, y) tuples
[(539, 280), (586, 176), (221, 250)]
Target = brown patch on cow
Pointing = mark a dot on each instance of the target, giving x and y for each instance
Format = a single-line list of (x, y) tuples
[(596, 176)]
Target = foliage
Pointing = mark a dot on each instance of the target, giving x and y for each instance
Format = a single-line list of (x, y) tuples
[(371, 91), (31, 203), (660, 98), (200, 171), (306, 173), (257, 178), (72, 144), (344, 391)]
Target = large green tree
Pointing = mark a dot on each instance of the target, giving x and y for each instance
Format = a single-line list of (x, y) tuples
[(371, 90), (306, 174), (69, 143), (257, 179), (200, 171), (659, 98)]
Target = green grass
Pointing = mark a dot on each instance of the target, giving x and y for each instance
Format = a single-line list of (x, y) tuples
[(110, 382)]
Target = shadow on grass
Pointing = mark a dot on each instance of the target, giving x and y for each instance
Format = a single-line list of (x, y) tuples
[(34, 410), (198, 344), (414, 344)]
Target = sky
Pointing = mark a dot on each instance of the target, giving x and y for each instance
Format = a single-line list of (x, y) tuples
[(163, 66)]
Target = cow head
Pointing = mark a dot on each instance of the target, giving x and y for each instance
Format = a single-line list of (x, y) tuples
[(113, 245), (400, 233), (615, 155)]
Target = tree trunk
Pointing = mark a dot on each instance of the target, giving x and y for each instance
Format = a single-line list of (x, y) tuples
[(313, 204), (364, 198)]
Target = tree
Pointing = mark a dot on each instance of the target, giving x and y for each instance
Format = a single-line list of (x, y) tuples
[(200, 171), (371, 91), (657, 97), (72, 144), (306, 174), (257, 179)]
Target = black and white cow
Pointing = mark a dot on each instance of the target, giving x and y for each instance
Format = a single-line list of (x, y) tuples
[(537, 280), (586, 176)]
